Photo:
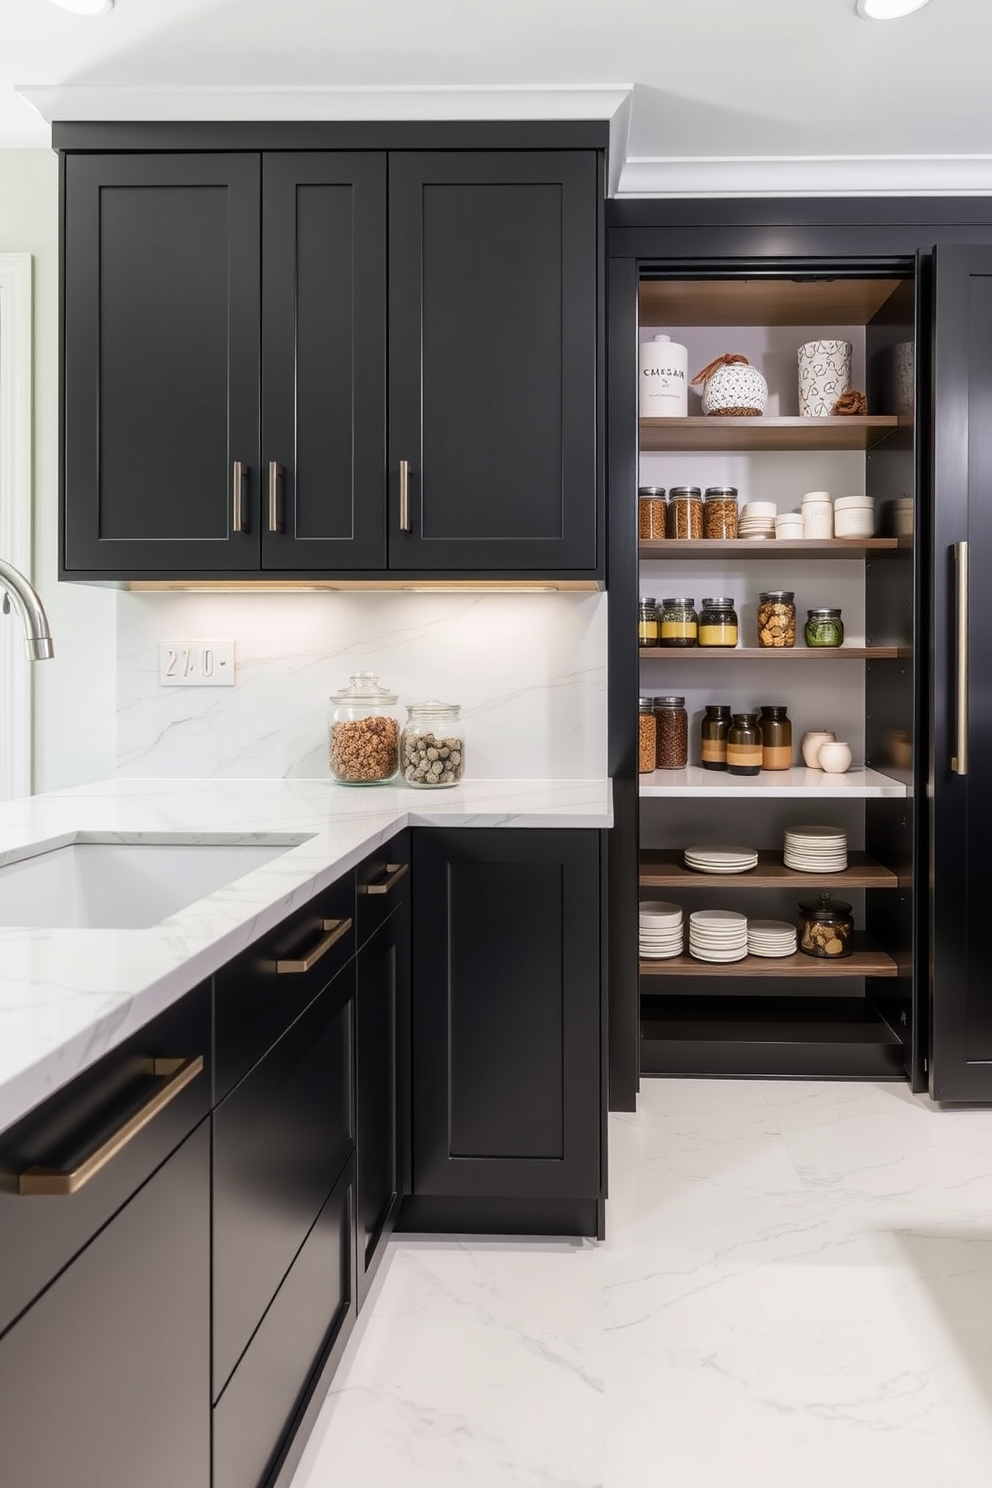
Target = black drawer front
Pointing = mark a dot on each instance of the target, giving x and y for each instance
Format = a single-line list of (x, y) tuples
[(314, 1307), (39, 1234), (381, 883), (256, 1001), (280, 1140)]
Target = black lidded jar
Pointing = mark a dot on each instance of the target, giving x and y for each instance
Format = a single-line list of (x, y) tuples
[(826, 927), (715, 728), (744, 745)]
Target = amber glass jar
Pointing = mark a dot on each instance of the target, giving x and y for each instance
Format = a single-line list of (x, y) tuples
[(718, 623), (744, 745), (720, 512), (685, 511), (646, 734), (715, 727), (776, 738), (825, 927), (679, 622), (671, 733), (648, 624), (652, 513)]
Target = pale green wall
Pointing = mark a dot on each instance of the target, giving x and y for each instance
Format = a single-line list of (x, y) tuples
[(74, 695)]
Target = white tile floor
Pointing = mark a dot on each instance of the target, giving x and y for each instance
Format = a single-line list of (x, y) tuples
[(796, 1292)]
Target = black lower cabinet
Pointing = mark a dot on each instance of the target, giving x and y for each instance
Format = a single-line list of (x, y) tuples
[(507, 1031), (104, 1381)]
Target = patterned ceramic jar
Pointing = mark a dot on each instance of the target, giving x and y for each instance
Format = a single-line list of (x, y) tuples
[(824, 376), (731, 384)]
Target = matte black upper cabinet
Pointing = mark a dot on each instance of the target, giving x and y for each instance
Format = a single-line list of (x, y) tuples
[(228, 322)]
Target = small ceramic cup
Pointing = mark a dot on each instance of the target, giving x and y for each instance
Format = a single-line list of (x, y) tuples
[(811, 746), (835, 757)]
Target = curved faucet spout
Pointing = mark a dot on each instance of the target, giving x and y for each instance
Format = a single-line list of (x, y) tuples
[(38, 635)]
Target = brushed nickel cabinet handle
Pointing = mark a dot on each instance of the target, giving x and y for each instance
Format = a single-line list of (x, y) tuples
[(241, 472), (405, 496), (175, 1075), (395, 871), (276, 474), (959, 763), (334, 930)]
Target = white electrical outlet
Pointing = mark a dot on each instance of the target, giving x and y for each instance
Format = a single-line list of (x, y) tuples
[(196, 663)]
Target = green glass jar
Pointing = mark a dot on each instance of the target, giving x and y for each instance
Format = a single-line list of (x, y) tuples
[(824, 628)]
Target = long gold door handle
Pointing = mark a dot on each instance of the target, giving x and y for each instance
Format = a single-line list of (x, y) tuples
[(238, 519), (395, 871), (335, 929), (175, 1075), (276, 474), (959, 762), (405, 525)]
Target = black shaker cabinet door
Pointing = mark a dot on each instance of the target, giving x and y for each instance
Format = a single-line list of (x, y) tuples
[(161, 348), (961, 796), (492, 356), (324, 360), (507, 1084)]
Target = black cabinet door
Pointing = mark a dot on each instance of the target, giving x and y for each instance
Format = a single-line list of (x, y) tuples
[(104, 1382), (382, 1087), (324, 360), (507, 1009), (492, 356), (960, 786), (161, 369)]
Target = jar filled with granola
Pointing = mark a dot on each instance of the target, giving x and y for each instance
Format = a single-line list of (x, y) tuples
[(777, 618), (364, 732)]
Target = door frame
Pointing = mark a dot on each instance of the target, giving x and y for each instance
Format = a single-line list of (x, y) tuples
[(15, 514)]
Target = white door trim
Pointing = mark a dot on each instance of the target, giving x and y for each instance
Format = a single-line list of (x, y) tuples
[(15, 515)]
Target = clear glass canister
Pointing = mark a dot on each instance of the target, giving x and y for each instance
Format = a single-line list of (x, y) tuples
[(671, 733), (825, 927), (685, 511), (720, 512), (648, 623), (824, 628), (679, 622), (432, 748), (777, 618), (718, 623), (652, 512), (646, 735), (715, 727), (364, 732)]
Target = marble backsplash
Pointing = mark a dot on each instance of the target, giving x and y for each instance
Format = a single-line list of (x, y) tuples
[(528, 669)]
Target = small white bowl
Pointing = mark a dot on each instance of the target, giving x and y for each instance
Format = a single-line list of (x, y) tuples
[(835, 757)]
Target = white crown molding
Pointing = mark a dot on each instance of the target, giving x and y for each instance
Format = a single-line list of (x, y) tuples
[(90, 104), (807, 175), (15, 515)]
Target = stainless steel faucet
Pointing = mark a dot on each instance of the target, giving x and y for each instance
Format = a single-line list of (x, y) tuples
[(38, 635)]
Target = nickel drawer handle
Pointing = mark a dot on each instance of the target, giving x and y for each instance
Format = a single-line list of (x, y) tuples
[(334, 930), (395, 871), (241, 473), (959, 763), (276, 474), (405, 496), (175, 1075)]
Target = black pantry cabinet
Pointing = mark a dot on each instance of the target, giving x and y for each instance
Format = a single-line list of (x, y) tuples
[(353, 362)]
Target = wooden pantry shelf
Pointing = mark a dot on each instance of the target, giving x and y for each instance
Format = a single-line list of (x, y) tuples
[(703, 548), (670, 303), (666, 870), (697, 432), (866, 960), (768, 653)]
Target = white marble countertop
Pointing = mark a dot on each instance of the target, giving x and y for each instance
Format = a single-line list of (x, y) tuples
[(69, 996)]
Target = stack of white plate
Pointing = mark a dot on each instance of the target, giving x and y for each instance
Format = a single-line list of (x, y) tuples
[(758, 519), (770, 938), (717, 935), (816, 849), (659, 930), (720, 859)]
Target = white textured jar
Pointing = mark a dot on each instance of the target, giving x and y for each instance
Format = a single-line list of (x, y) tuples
[(664, 379), (818, 516), (854, 516), (735, 385), (824, 376)]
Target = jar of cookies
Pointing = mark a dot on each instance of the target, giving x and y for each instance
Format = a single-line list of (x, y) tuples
[(777, 618), (826, 928), (364, 732)]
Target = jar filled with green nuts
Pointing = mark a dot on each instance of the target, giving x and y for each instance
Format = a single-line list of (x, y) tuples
[(432, 749), (364, 732)]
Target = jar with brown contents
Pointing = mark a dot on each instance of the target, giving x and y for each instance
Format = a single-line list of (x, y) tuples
[(776, 738), (826, 928), (672, 733), (646, 735), (364, 732), (685, 512), (744, 745), (777, 618), (720, 512), (715, 727), (652, 513)]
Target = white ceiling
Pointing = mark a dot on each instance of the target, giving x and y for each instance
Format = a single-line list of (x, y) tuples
[(712, 78)]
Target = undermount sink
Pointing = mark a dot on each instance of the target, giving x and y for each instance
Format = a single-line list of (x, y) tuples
[(94, 883)]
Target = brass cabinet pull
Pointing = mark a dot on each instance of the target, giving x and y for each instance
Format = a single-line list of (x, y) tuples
[(335, 929), (175, 1075), (238, 520), (405, 496), (276, 473), (959, 763), (395, 871)]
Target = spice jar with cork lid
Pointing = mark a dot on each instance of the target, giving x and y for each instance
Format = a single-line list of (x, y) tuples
[(671, 733)]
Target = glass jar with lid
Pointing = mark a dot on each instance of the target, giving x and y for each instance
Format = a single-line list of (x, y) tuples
[(744, 745), (652, 513), (824, 628), (685, 512), (364, 732), (648, 623), (777, 618), (432, 748), (718, 623), (826, 928), (679, 622), (776, 738), (671, 733), (720, 512), (646, 735), (714, 730)]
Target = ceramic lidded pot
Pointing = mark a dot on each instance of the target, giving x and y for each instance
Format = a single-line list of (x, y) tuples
[(732, 388), (812, 739), (824, 376)]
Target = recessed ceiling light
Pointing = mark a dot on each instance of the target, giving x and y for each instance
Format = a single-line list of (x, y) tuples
[(888, 10), (85, 7)]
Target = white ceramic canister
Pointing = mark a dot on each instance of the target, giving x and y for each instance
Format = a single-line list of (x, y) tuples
[(818, 516), (854, 516), (730, 385), (812, 740), (834, 757), (664, 379), (789, 527), (824, 376)]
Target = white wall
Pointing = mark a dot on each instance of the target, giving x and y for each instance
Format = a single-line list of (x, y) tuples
[(74, 695)]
